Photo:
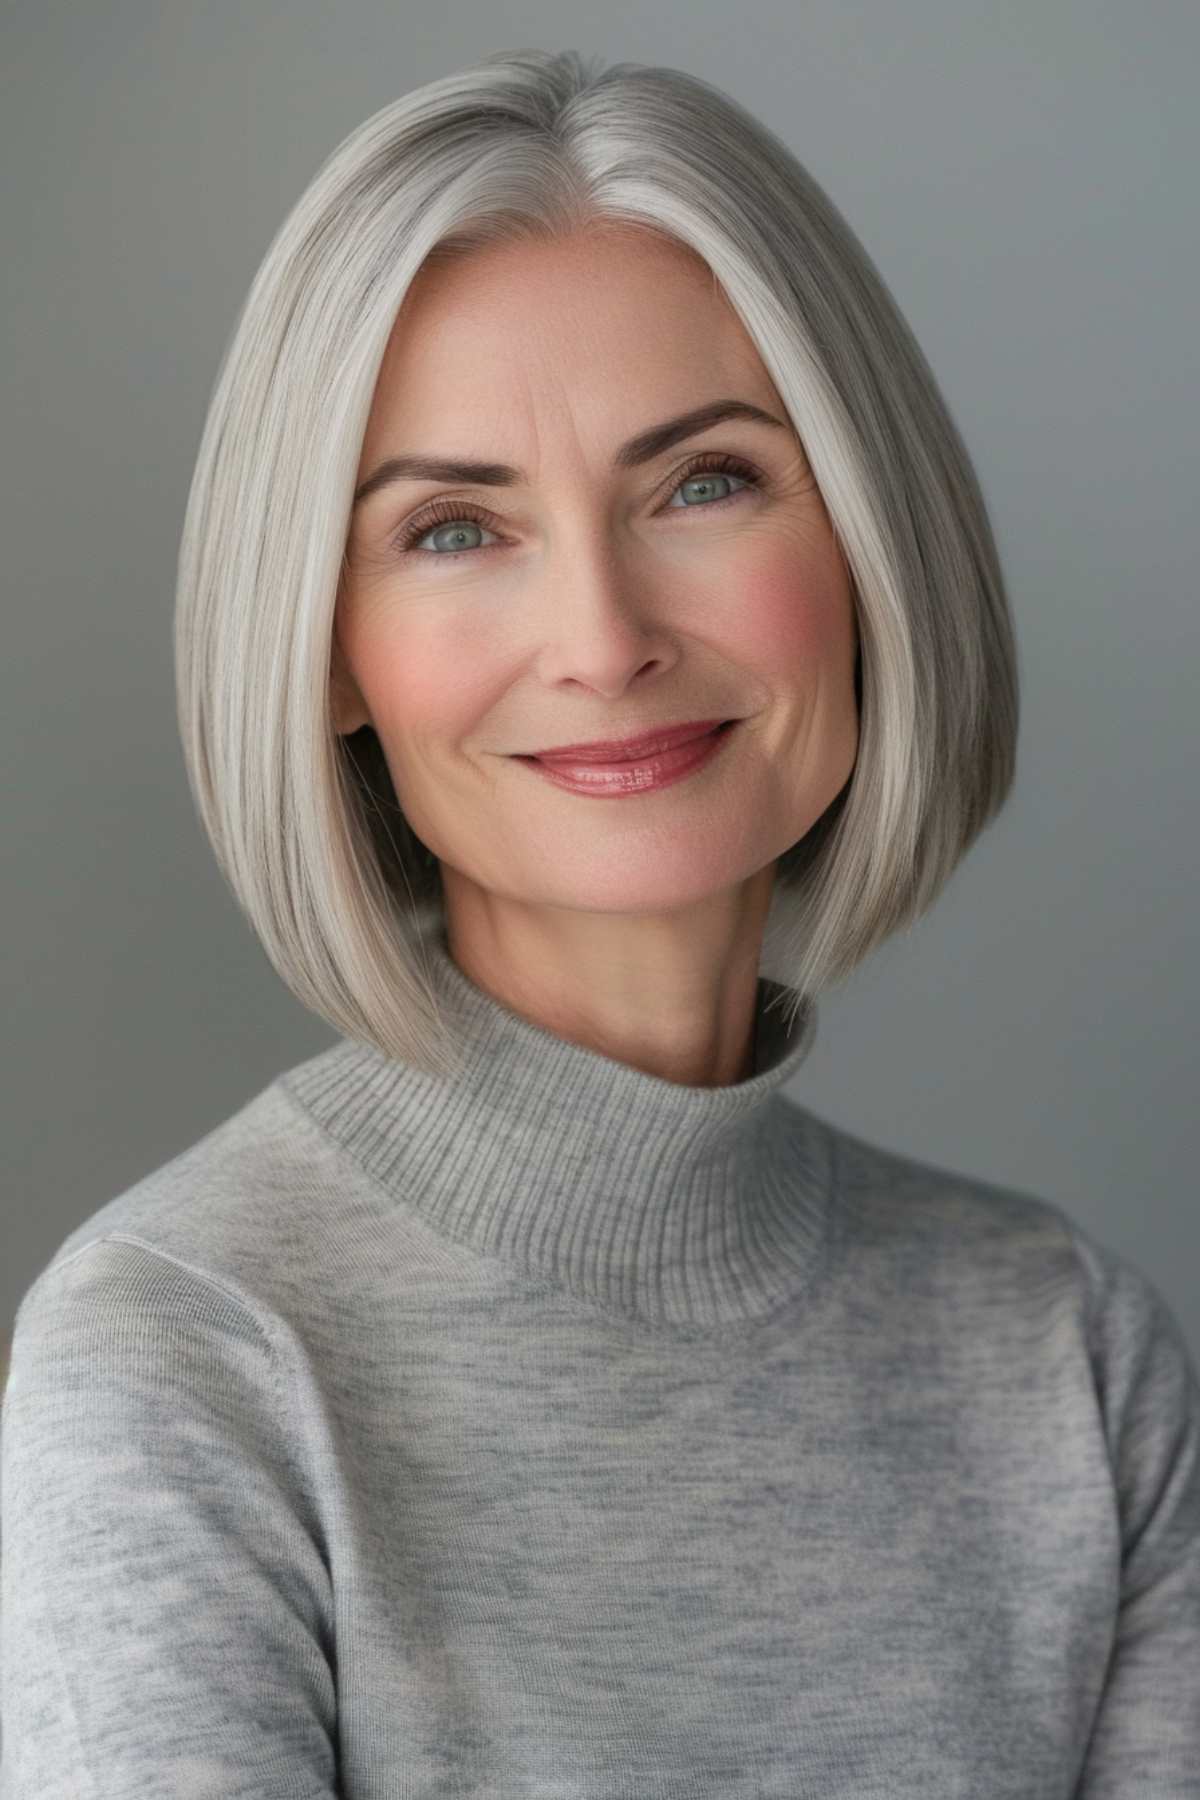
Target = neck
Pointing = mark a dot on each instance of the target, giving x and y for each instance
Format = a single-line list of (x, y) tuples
[(675, 1205)]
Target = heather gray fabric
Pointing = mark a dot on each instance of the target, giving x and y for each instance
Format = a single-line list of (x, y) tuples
[(565, 1432)]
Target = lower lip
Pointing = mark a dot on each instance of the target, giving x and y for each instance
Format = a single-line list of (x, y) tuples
[(616, 780)]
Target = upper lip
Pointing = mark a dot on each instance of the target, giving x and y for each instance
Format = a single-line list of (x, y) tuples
[(646, 743)]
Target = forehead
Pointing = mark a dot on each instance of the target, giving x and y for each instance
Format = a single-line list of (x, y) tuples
[(609, 328)]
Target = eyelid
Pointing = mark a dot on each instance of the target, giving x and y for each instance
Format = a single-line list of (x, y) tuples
[(445, 509)]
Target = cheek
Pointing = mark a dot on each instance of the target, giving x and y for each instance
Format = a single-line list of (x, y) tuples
[(793, 612), (416, 685)]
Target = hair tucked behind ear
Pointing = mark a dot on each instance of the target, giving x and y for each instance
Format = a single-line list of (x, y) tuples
[(524, 145)]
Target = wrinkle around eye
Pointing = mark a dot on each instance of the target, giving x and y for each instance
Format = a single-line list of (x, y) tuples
[(402, 539)]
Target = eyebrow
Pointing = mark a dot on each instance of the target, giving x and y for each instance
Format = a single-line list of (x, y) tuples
[(640, 449)]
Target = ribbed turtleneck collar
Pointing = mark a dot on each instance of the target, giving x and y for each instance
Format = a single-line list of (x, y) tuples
[(685, 1206)]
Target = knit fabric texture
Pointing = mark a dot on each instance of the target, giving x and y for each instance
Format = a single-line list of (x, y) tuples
[(559, 1432)]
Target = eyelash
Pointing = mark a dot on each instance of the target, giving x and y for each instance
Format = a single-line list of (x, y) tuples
[(446, 512)]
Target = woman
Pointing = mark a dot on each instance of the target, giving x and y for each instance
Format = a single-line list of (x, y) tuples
[(524, 1396)]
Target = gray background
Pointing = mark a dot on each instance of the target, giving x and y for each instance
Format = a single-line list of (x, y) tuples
[(1023, 174)]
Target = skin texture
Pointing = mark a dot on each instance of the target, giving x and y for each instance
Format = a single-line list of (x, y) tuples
[(596, 602)]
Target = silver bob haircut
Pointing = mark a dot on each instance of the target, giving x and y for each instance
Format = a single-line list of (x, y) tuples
[(525, 145)]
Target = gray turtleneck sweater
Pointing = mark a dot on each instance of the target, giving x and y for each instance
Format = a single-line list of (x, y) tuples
[(564, 1432)]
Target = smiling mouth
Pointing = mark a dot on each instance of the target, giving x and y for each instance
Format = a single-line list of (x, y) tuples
[(583, 759), (647, 773)]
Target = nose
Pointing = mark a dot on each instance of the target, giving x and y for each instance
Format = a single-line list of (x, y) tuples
[(602, 627)]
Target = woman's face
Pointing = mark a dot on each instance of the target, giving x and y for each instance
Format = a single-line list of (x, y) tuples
[(589, 597)]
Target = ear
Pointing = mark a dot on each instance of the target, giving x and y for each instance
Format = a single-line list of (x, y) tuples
[(347, 707)]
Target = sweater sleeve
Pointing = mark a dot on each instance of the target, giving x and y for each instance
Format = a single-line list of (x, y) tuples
[(1146, 1737), (165, 1605)]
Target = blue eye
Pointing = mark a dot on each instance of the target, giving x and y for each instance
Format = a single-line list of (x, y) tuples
[(460, 513)]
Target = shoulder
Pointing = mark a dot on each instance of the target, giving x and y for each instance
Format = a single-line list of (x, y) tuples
[(985, 1248), (981, 1249), (925, 1208), (229, 1213)]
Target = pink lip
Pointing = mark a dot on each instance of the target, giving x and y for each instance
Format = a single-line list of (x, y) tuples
[(614, 750), (619, 780)]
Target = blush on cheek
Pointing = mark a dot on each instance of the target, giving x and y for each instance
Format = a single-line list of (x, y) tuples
[(430, 694), (791, 615)]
